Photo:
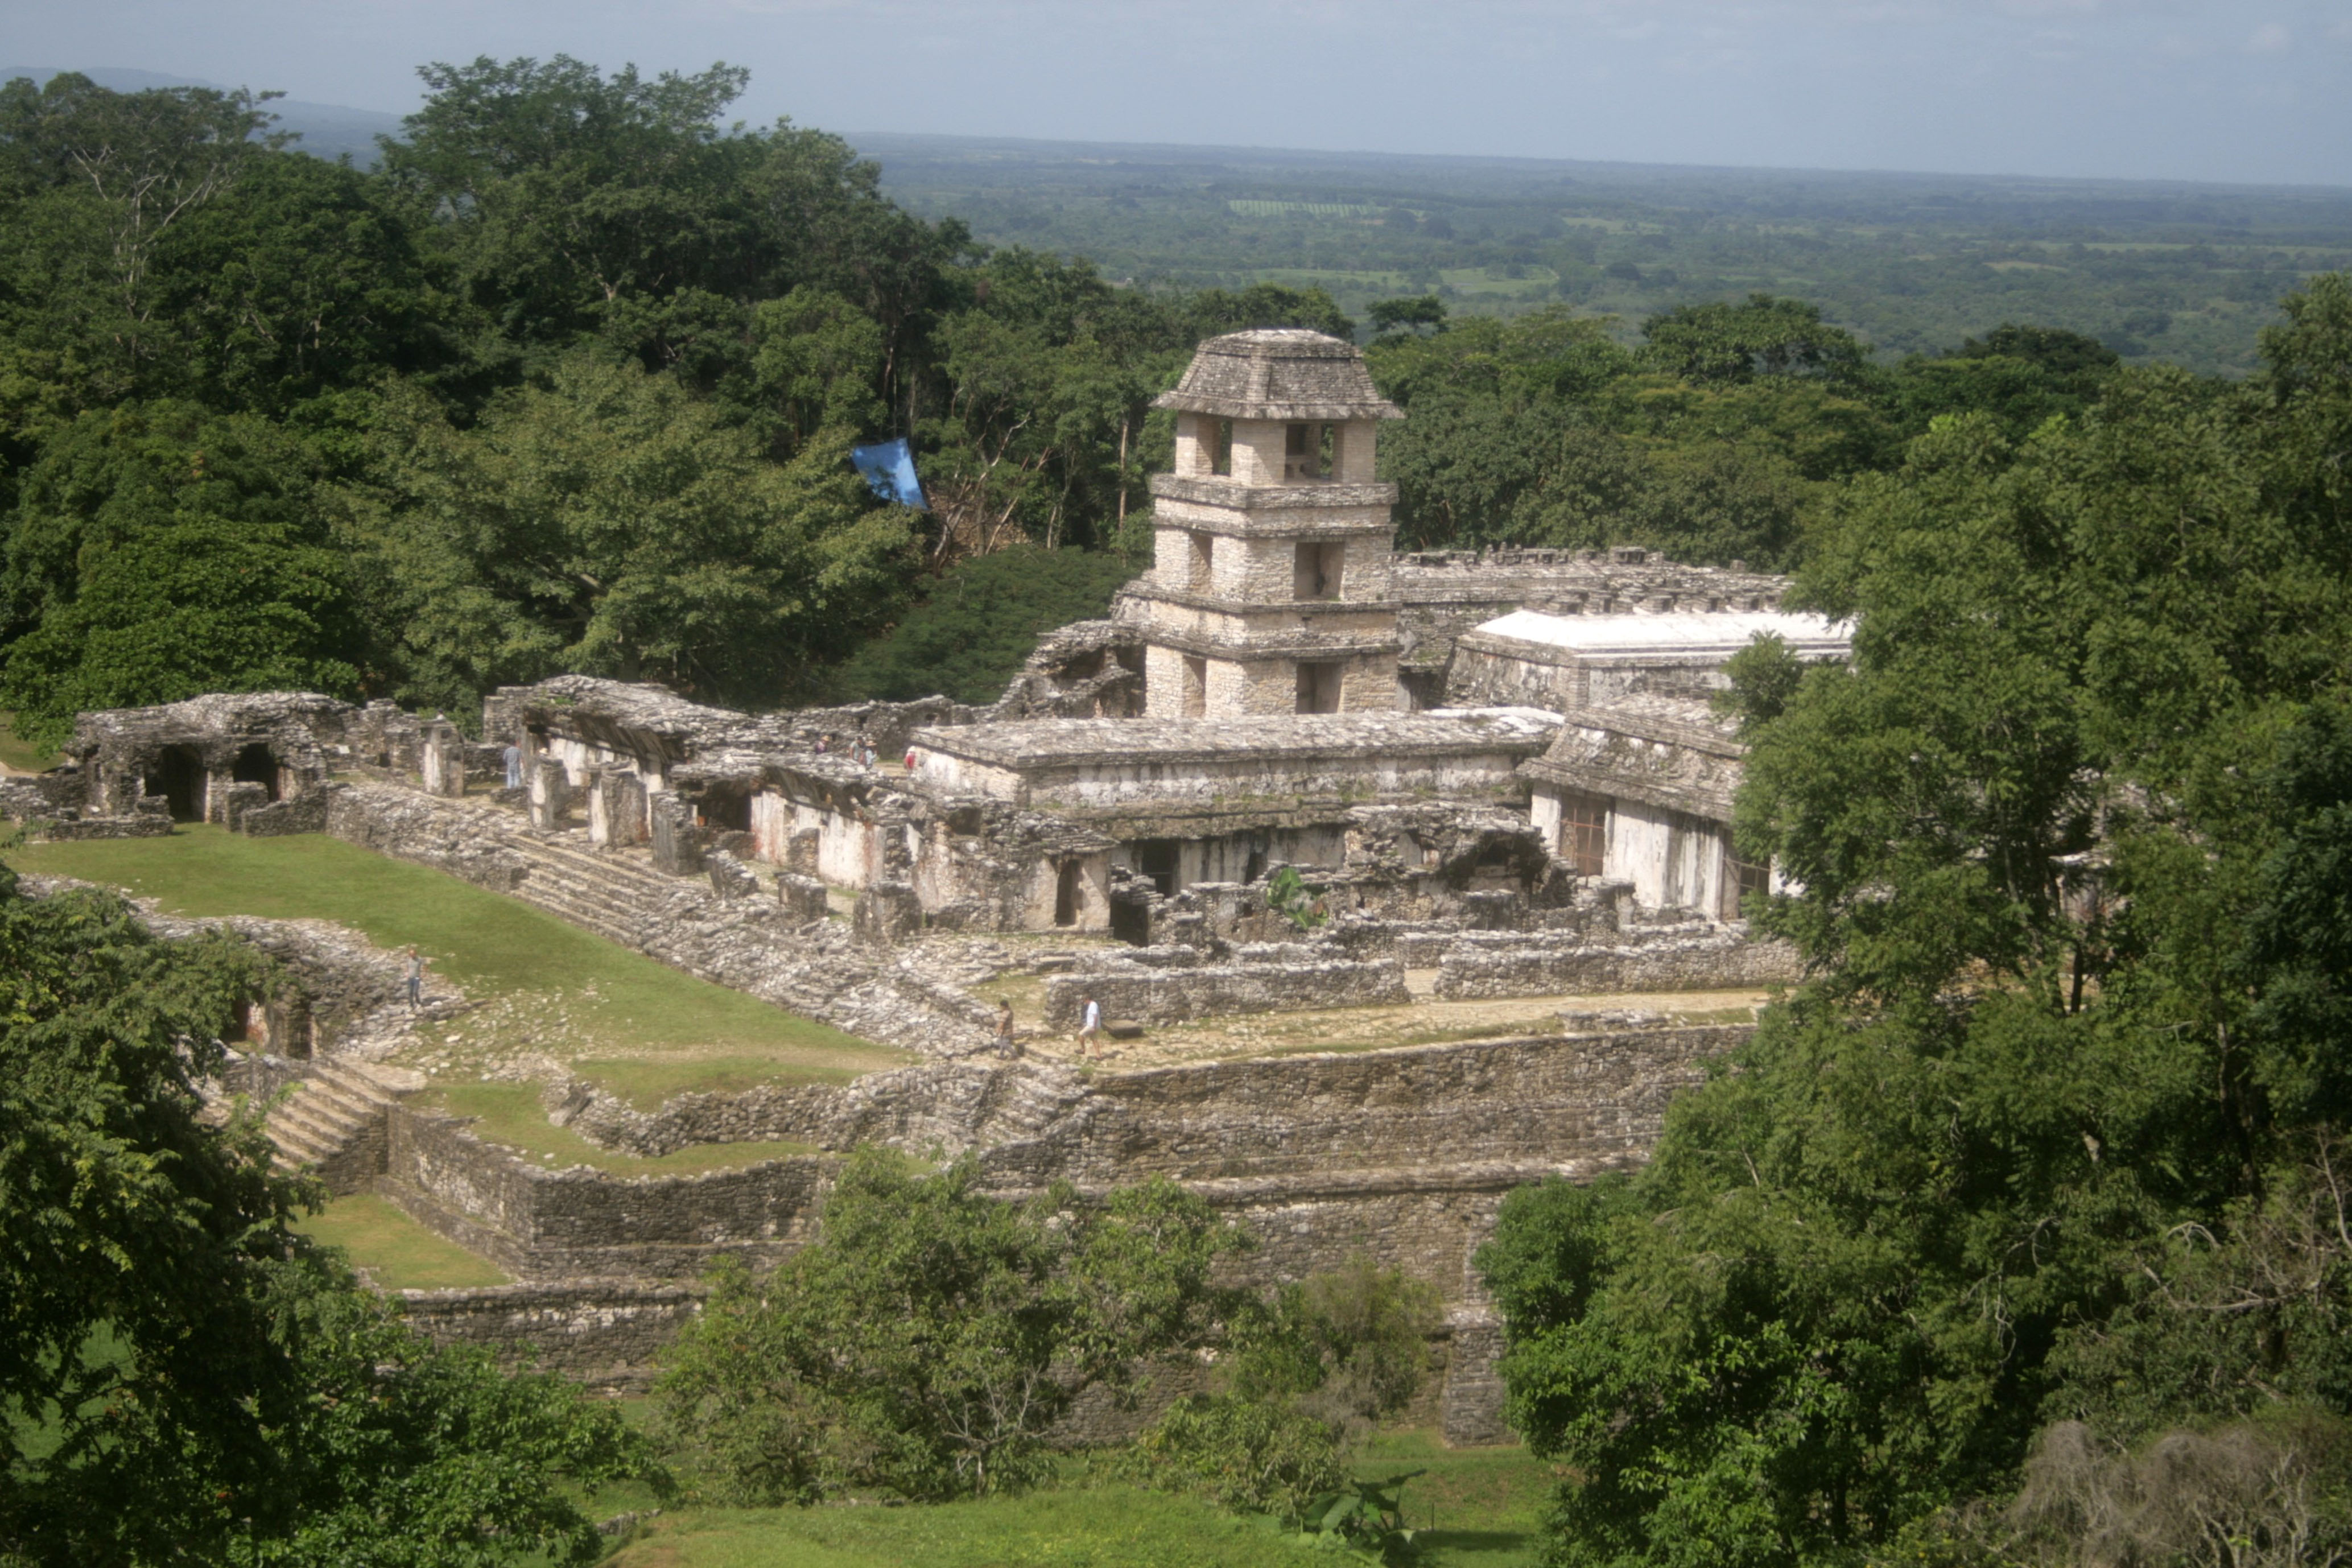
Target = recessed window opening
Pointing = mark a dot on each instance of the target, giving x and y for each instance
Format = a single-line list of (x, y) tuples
[(1318, 687), (1202, 557), (1316, 569), (1743, 878), (1069, 894), (1220, 433), (1584, 833), (1155, 859), (1196, 686), (1328, 454)]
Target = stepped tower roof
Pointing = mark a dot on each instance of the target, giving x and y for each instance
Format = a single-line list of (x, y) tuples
[(1279, 374)]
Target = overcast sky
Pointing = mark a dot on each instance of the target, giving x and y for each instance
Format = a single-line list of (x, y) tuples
[(2209, 90)]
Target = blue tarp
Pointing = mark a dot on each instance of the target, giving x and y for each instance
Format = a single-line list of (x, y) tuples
[(890, 469)]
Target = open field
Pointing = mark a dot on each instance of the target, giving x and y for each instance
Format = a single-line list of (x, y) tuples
[(537, 988)]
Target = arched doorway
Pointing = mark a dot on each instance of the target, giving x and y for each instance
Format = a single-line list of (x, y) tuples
[(1070, 896)]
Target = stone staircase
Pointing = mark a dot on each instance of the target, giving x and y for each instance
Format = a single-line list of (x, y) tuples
[(608, 891), (336, 1120)]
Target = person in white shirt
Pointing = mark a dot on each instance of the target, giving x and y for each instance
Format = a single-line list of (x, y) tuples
[(1089, 1027)]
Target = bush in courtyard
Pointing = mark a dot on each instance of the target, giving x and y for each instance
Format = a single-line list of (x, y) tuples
[(927, 1341), (1349, 1347), (1249, 1455)]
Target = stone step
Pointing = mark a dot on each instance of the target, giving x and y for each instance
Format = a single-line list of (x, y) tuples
[(333, 1104)]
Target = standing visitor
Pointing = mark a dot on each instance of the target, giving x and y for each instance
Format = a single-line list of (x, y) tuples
[(1089, 1028), (1004, 1047), (514, 765), (415, 977)]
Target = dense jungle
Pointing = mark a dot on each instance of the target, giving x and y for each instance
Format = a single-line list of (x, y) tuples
[(2018, 1235)]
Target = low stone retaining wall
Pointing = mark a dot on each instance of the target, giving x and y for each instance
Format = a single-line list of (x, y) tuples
[(1168, 996), (581, 1222), (608, 1333), (1510, 964)]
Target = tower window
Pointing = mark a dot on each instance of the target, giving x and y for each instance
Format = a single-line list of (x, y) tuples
[(1318, 569), (1318, 687), (1220, 435), (1204, 547)]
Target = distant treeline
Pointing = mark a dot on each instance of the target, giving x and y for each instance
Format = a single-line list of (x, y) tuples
[(567, 382)]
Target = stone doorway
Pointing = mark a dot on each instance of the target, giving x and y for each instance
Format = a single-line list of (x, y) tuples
[(177, 774), (254, 764)]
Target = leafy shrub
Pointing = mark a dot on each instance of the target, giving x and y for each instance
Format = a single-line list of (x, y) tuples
[(1349, 1347), (927, 1341), (1248, 1455), (969, 637)]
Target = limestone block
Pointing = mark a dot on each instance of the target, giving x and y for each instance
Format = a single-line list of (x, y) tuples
[(729, 877), (804, 898), (229, 802), (886, 913)]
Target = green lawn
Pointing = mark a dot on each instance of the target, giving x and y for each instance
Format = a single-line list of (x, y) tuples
[(398, 1253), (542, 987), (1476, 1508)]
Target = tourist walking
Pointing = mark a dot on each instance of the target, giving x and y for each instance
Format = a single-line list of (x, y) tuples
[(1089, 1028), (416, 976), (514, 765)]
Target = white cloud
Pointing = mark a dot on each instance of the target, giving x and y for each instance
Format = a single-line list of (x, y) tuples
[(2269, 38)]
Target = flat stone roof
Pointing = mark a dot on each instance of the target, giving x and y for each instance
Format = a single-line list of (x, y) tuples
[(1671, 634), (1064, 742)]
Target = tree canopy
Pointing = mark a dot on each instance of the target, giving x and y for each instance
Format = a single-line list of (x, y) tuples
[(2066, 858)]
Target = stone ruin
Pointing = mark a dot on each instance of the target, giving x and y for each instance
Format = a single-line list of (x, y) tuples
[(1488, 776)]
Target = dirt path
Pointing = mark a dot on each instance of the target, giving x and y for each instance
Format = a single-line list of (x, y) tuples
[(1423, 1022)]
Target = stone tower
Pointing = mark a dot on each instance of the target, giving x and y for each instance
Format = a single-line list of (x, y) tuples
[(1270, 589)]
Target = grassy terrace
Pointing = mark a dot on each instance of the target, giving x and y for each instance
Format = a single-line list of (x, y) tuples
[(538, 987), (398, 1253)]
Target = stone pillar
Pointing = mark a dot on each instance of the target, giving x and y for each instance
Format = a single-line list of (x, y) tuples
[(441, 758), (550, 793), (678, 842), (623, 792), (600, 821)]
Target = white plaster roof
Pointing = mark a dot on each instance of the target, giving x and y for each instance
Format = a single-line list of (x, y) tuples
[(1673, 633)]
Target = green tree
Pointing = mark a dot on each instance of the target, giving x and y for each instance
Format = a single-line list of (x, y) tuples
[(1760, 336), (182, 1378), (982, 618), (159, 551), (610, 524), (930, 1337), (2033, 829)]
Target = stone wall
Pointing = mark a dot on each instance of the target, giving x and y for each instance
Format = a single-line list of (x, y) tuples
[(1697, 956), (609, 1333), (543, 1223), (1146, 996)]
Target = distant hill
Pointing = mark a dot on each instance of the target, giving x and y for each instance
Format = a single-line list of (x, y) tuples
[(328, 130)]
